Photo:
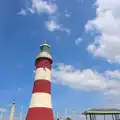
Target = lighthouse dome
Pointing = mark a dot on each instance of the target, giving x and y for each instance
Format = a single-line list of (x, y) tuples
[(45, 51)]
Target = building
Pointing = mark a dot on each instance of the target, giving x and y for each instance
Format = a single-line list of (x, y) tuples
[(93, 113)]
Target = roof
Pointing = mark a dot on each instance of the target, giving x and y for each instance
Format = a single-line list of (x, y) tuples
[(102, 111), (44, 53), (45, 44)]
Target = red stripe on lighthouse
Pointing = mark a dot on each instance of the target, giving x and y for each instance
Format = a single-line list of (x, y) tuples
[(40, 114), (43, 62), (42, 86)]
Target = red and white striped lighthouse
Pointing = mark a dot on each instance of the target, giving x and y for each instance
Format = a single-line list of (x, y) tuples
[(41, 106)]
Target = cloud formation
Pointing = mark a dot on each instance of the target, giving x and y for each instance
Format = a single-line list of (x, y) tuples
[(53, 25), (88, 80), (67, 14), (43, 6), (107, 23), (39, 6), (50, 8), (22, 12), (78, 40)]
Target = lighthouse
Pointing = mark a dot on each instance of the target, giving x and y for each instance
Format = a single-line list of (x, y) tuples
[(41, 105)]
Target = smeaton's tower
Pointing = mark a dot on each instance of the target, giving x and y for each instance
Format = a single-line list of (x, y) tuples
[(40, 106)]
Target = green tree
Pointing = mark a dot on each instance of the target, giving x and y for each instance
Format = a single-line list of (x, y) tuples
[(68, 118)]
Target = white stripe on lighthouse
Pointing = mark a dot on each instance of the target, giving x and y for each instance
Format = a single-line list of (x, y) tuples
[(41, 100), (45, 54), (43, 74)]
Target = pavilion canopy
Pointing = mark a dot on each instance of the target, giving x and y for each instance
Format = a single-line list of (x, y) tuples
[(102, 111)]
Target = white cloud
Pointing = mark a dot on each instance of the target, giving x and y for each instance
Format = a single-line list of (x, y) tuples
[(40, 6), (107, 22), (20, 89), (53, 25), (22, 12), (78, 41), (114, 74), (43, 6), (67, 14), (87, 79), (31, 10)]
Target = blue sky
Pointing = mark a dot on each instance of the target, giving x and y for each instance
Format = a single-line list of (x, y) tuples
[(86, 59)]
